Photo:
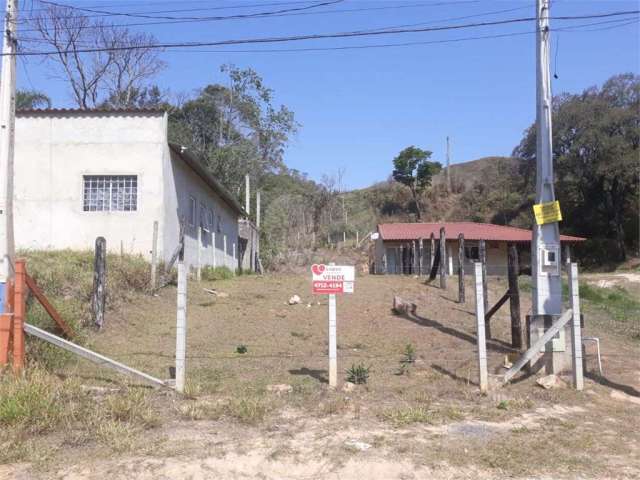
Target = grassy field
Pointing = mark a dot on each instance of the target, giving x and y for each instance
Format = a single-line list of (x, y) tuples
[(257, 391)]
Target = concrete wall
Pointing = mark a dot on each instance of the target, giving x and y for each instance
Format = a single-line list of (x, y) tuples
[(54, 151), (219, 246)]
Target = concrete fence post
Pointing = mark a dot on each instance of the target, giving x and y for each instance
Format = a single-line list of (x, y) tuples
[(480, 327)]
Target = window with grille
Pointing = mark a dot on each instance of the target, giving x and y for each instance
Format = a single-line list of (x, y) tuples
[(104, 193)]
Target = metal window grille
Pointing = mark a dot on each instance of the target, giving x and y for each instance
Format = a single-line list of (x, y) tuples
[(103, 193)]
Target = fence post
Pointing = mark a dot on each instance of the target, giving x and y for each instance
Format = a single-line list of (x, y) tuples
[(199, 255), (461, 298), (6, 323), (576, 334), (420, 255), (154, 257), (517, 332), (19, 310), (482, 253), (482, 342), (181, 324), (443, 259), (432, 249), (99, 281)]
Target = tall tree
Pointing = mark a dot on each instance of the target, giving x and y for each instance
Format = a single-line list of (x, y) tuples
[(413, 168), (109, 71), (30, 99), (596, 138)]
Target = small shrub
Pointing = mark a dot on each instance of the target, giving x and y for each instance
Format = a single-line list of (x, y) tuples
[(248, 410), (358, 374), (211, 274), (408, 359), (406, 416), (242, 349)]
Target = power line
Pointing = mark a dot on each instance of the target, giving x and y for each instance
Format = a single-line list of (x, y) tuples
[(325, 12), (295, 38), (229, 17)]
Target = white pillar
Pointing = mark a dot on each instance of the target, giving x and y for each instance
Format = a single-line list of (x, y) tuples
[(199, 255), (333, 350), (576, 334), (482, 343), (181, 327)]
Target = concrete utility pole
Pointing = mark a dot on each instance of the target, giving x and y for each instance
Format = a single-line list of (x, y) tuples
[(545, 252), (247, 194), (448, 176), (7, 133)]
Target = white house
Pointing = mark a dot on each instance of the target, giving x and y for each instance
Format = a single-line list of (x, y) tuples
[(80, 174)]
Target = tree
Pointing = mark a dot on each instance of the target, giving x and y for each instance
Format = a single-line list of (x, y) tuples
[(31, 99), (413, 169), (596, 138), (111, 70)]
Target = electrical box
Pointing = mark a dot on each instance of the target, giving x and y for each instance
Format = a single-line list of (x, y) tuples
[(550, 260)]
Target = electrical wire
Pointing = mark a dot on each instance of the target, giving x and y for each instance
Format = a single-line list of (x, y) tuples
[(295, 38)]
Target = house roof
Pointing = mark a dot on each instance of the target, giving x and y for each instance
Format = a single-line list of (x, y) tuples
[(194, 163), (470, 230)]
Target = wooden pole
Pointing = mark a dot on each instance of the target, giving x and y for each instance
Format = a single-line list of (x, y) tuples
[(443, 259), (420, 255), (482, 251), (482, 343), (517, 330), (154, 257), (181, 324), (432, 251), (99, 282), (414, 253), (461, 298), (19, 311), (576, 334)]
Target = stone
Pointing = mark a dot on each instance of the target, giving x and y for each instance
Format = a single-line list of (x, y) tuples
[(348, 387), (357, 445), (549, 381), (295, 300), (280, 388)]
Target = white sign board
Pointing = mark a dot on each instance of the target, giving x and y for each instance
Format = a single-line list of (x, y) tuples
[(328, 279)]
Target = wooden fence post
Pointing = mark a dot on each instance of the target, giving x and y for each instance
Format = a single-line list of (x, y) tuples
[(576, 334), (461, 298), (517, 331), (99, 282), (432, 250), (19, 311), (414, 253), (482, 252), (154, 257), (480, 325), (443, 259), (420, 255)]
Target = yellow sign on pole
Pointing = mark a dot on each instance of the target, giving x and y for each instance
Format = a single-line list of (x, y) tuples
[(547, 212)]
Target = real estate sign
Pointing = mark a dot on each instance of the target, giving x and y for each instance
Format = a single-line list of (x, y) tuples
[(332, 279)]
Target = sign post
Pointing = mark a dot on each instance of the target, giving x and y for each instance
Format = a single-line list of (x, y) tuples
[(332, 280)]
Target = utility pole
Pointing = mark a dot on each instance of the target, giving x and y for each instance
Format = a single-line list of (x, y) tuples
[(547, 289), (7, 131), (448, 174)]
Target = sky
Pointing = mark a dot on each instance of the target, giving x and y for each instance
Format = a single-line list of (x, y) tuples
[(359, 107)]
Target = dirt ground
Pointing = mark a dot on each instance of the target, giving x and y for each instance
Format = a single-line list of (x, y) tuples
[(268, 413)]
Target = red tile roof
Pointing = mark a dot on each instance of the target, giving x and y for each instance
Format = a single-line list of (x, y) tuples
[(470, 230)]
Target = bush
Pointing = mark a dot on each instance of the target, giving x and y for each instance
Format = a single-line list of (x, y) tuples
[(358, 374), (216, 273)]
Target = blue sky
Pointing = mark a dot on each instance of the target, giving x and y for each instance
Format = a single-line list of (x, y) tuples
[(358, 108)]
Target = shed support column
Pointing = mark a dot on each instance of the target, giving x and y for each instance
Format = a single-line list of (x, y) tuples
[(443, 259), (461, 298)]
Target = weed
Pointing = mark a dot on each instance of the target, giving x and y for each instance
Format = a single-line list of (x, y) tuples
[(503, 405), (131, 406), (406, 416), (358, 374), (241, 349), (248, 410), (408, 359), (301, 335), (211, 274)]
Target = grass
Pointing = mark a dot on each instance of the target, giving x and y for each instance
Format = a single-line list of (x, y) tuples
[(401, 417), (211, 274)]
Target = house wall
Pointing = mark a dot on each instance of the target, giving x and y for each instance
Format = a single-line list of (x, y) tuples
[(220, 245), (54, 151), (496, 256)]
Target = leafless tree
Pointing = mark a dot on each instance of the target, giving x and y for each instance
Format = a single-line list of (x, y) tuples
[(113, 72)]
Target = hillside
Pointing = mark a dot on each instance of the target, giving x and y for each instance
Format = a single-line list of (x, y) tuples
[(489, 189)]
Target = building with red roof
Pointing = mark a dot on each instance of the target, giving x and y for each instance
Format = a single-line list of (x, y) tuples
[(406, 247)]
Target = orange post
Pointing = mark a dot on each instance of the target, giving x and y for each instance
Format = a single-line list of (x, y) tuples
[(5, 326), (19, 310)]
